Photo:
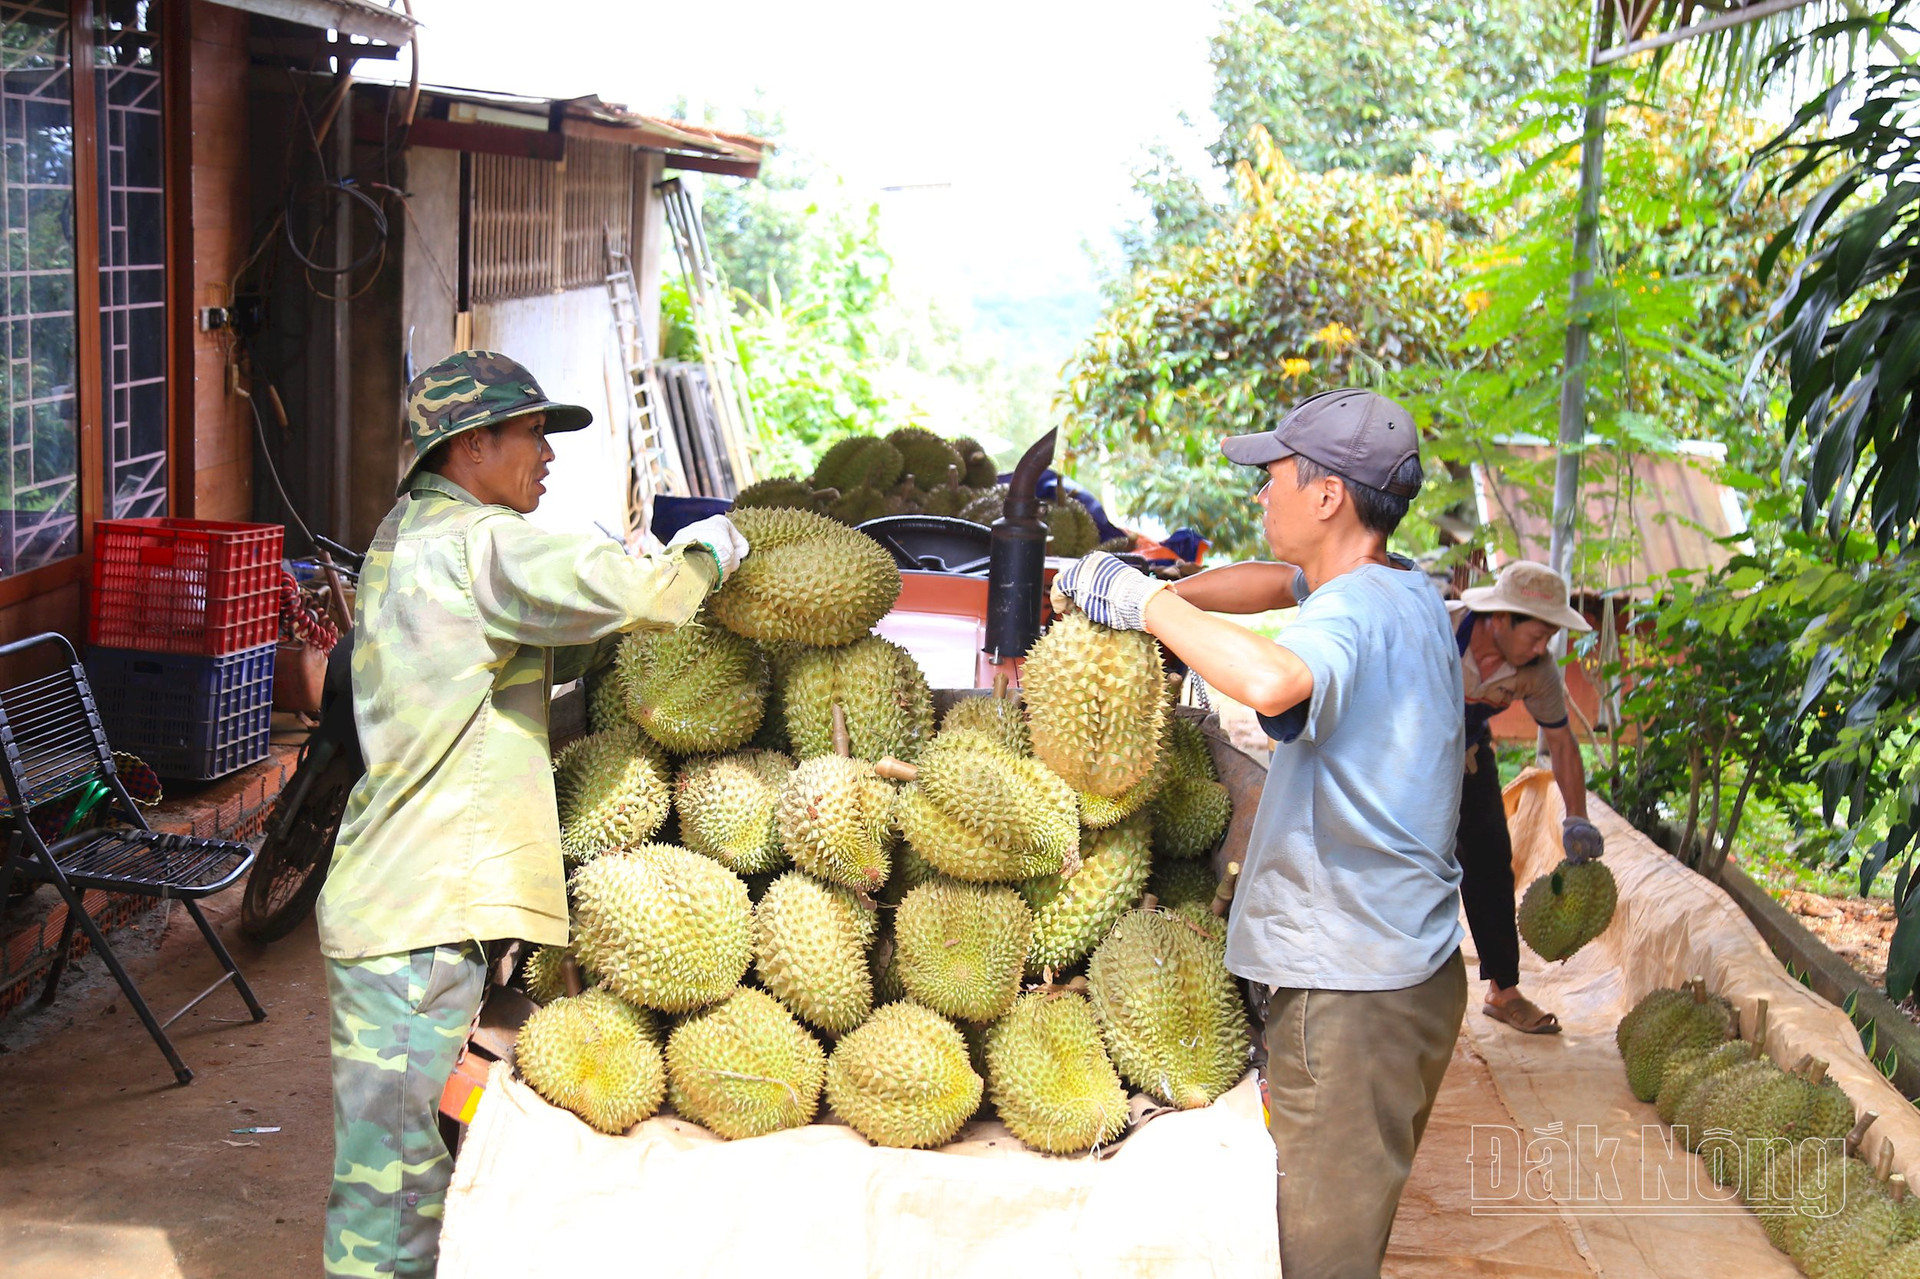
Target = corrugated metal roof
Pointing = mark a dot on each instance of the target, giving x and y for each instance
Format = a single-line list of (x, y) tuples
[(363, 18), (1674, 506)]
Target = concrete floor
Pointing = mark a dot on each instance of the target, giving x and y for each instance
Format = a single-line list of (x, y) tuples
[(112, 1169)]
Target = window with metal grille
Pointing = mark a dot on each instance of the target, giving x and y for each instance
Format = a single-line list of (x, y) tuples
[(539, 227)]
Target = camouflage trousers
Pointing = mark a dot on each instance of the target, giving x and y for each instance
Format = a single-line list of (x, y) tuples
[(397, 1022)]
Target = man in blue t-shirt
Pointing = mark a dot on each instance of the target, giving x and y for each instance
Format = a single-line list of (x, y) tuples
[(1348, 905)]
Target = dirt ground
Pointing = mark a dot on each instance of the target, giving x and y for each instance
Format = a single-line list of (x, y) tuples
[(114, 1170)]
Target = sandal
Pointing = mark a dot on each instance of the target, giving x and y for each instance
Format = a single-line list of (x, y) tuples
[(1524, 1016)]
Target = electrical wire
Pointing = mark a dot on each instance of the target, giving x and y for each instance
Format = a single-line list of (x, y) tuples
[(273, 472)]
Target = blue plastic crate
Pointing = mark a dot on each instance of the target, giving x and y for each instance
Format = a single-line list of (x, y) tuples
[(192, 718)]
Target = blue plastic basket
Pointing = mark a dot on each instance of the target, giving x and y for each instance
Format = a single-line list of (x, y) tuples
[(192, 718)]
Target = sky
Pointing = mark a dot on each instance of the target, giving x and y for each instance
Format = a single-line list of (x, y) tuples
[(1015, 125)]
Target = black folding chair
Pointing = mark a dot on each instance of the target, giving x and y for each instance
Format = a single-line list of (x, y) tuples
[(52, 747)]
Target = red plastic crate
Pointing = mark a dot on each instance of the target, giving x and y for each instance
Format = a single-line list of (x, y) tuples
[(185, 586)]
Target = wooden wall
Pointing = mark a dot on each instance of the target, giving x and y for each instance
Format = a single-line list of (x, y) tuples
[(219, 454)]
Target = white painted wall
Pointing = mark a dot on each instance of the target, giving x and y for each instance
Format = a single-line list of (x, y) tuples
[(566, 340)]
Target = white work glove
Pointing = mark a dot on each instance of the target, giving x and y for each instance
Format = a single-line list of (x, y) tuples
[(1109, 592), (719, 538), (1581, 840)]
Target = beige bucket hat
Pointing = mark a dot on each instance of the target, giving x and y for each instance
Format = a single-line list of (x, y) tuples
[(1531, 589)]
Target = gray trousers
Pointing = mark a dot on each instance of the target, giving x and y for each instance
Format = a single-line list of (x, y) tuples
[(1351, 1080)]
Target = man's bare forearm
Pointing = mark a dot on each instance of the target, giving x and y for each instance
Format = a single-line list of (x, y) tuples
[(1255, 587), (1569, 771), (1249, 668)]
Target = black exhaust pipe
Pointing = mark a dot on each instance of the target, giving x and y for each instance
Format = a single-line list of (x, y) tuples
[(1016, 566)]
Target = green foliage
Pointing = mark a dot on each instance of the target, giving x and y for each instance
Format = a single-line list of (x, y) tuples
[(1317, 280), (1373, 84)]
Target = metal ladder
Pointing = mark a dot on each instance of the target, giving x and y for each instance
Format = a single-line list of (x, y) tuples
[(712, 326), (653, 465)]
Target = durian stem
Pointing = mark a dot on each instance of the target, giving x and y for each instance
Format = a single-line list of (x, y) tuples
[(1897, 1187), (1699, 987), (570, 975), (842, 740), (1883, 1166), (1149, 902), (894, 770), (1859, 1133), (1800, 1067), (1817, 1072), (1760, 1024), (1223, 891), (1001, 680)]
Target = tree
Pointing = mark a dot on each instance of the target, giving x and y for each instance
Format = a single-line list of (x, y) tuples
[(1373, 84)]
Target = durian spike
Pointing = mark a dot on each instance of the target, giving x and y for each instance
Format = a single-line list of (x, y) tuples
[(894, 770), (570, 975), (1859, 1133), (1883, 1166), (1897, 1187), (1149, 902), (1223, 891), (1760, 1024), (842, 740)]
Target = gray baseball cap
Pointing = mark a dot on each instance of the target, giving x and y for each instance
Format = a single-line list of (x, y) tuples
[(1357, 434)]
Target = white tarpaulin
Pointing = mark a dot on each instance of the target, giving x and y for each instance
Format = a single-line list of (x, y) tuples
[(536, 1192)]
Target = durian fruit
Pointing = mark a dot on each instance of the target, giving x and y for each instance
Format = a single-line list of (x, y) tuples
[(612, 792), (1698, 1116), (1177, 883), (961, 947), (903, 1078), (1700, 1021), (985, 506), (979, 812), (858, 505), (772, 735), (883, 962), (910, 870), (1168, 1010), (926, 456), (1118, 544), (606, 701), (1829, 1111), (744, 1067), (836, 821), (1192, 810), (858, 461), (999, 717), (1049, 1077), (1650, 1003), (1568, 907), (727, 806), (698, 688), (789, 491), (1683, 1072), (543, 973), (1071, 531), (1199, 916), (947, 498), (1097, 812), (664, 927), (1852, 1242), (810, 948), (593, 1055), (978, 469), (1095, 705), (879, 686), (1070, 916), (1810, 1183), (807, 579)]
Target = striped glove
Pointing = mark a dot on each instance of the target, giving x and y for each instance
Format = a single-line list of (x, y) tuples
[(1109, 592)]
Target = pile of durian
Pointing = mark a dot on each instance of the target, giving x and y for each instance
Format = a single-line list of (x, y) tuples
[(915, 472), (788, 888), (1787, 1140)]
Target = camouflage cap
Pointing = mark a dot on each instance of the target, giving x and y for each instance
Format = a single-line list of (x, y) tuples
[(477, 388)]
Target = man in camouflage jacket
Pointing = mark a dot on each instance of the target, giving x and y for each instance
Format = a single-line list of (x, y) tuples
[(452, 838)]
